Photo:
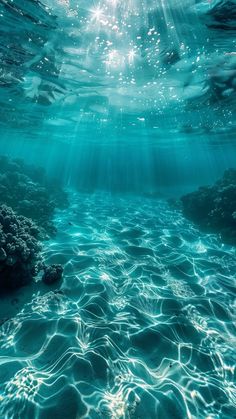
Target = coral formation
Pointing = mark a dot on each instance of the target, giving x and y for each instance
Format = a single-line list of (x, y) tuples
[(27, 203), (52, 274), (27, 190), (214, 207), (20, 249), (20, 257)]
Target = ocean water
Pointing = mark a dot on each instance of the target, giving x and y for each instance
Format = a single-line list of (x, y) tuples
[(126, 104)]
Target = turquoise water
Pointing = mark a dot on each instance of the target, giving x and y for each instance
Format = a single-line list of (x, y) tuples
[(126, 104)]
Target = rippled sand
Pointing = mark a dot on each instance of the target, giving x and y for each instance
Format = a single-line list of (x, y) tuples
[(141, 327)]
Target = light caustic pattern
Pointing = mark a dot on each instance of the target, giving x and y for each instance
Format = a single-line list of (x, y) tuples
[(142, 326)]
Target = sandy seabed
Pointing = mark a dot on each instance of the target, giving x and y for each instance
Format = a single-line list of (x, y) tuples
[(141, 327)]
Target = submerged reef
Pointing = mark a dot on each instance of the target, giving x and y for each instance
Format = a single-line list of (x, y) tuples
[(52, 274), (28, 200), (214, 207), (20, 252), (20, 249), (30, 193)]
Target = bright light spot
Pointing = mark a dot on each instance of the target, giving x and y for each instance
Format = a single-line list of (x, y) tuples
[(193, 394), (25, 384), (97, 14), (104, 277), (64, 2), (112, 55), (116, 404), (114, 59), (131, 56), (113, 2)]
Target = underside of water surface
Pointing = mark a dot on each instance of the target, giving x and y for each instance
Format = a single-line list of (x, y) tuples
[(117, 209)]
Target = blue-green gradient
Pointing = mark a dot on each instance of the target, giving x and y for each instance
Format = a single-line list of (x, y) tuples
[(128, 103)]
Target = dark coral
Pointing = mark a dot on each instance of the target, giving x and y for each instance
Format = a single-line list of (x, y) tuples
[(52, 273), (20, 249), (30, 193), (20, 252), (214, 207)]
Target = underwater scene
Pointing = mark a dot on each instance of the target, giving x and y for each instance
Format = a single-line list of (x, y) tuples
[(117, 209)]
